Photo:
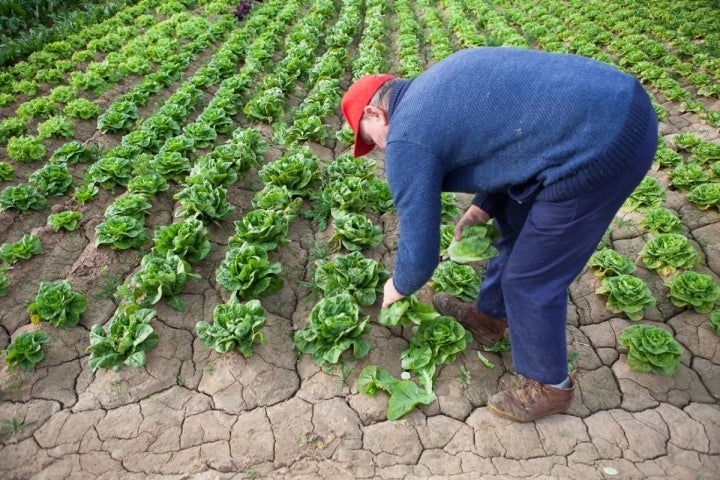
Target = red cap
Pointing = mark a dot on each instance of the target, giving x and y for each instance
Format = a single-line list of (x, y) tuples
[(354, 102)]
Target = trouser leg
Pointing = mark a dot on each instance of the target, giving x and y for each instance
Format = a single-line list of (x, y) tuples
[(552, 248), (509, 222)]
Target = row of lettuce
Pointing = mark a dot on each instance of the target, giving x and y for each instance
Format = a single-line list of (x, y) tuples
[(158, 150), (30, 25)]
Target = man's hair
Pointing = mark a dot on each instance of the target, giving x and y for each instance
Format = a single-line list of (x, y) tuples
[(380, 99)]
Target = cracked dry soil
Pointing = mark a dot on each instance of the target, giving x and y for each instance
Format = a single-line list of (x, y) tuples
[(193, 413)]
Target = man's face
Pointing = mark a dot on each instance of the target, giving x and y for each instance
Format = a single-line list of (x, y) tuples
[(374, 127)]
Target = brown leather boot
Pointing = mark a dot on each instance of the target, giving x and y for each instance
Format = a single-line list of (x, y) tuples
[(534, 400), (486, 329)]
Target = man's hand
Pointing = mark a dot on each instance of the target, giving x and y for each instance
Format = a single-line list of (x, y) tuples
[(390, 294), (473, 215)]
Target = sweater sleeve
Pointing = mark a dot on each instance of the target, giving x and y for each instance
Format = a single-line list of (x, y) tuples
[(415, 180)]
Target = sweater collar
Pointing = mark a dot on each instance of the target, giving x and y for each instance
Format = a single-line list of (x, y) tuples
[(398, 91)]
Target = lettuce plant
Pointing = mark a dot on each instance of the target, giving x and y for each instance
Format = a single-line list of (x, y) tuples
[(667, 158), (204, 201), (661, 220), (266, 106), (406, 311), (56, 127), (22, 197), (119, 118), (651, 349), (355, 232), (705, 195), (6, 99), (131, 205), (52, 179), (129, 338), (74, 152), (161, 126), (41, 107), (667, 252), (448, 206), (692, 106), (686, 176), (277, 198), (349, 194), (7, 172), (336, 325), (457, 279), (264, 227), (404, 394), (90, 80), (309, 128), (686, 141), (26, 350), (236, 326), (712, 117), (63, 94), (361, 277), (434, 342), (85, 192), (23, 249), (160, 277), (346, 165), (648, 194), (121, 233), (299, 171), (247, 271), (380, 196), (626, 294), (694, 289), (202, 134), (252, 145), (189, 239), (607, 262), (142, 140), (171, 165), (110, 171), (218, 172), (82, 108), (475, 244), (231, 156), (346, 134), (705, 152), (29, 88), (67, 219), (147, 184), (217, 119), (12, 127), (58, 304), (26, 148)]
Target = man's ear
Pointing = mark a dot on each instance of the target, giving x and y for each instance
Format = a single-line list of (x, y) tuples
[(375, 112)]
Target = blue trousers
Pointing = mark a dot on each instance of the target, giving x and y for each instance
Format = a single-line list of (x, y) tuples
[(544, 246)]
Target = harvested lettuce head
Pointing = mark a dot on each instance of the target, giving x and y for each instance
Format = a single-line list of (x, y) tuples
[(475, 244)]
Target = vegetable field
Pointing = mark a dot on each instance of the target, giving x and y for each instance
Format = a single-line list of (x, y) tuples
[(192, 261)]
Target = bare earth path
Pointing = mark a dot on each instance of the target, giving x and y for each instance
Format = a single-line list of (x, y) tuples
[(192, 413)]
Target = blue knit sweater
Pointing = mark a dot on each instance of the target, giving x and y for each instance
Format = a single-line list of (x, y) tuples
[(503, 123)]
